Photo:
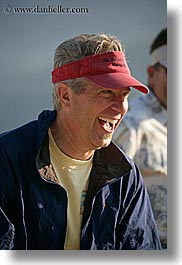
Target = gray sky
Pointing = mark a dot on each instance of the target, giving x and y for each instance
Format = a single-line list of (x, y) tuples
[(28, 42)]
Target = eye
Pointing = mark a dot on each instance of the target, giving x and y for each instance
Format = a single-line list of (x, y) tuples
[(106, 93), (125, 93)]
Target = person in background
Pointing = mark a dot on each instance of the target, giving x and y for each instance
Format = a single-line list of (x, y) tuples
[(64, 184), (143, 133)]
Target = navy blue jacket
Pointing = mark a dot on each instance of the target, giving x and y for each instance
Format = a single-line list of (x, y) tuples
[(33, 206)]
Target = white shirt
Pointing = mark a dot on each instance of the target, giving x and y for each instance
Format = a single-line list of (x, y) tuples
[(143, 136), (73, 175)]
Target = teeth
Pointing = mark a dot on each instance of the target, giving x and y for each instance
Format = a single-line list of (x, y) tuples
[(108, 120)]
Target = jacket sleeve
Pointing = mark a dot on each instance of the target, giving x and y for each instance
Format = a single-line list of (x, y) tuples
[(7, 230), (136, 228)]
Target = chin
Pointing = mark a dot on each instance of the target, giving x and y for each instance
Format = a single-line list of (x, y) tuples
[(101, 140), (103, 143)]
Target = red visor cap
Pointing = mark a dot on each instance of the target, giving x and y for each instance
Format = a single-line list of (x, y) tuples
[(106, 70)]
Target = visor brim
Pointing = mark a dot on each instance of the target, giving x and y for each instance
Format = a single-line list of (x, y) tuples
[(116, 81)]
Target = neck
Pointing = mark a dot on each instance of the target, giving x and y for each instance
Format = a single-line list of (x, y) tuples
[(66, 142)]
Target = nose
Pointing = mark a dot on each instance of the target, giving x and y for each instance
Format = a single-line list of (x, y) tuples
[(120, 105)]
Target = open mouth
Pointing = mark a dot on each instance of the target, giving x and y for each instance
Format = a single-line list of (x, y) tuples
[(107, 124)]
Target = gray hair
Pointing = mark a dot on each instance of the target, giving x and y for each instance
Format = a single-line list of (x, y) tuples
[(76, 48)]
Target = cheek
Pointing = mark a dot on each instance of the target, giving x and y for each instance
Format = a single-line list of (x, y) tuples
[(125, 107)]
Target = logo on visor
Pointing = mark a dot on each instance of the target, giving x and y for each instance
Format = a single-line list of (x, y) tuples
[(115, 61)]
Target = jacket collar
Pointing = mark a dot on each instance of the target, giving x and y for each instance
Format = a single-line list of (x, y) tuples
[(109, 165), (111, 161), (45, 119), (43, 161)]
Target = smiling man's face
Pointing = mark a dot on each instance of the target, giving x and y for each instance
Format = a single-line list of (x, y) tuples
[(95, 114)]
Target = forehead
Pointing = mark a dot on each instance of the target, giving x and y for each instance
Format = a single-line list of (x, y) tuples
[(95, 88)]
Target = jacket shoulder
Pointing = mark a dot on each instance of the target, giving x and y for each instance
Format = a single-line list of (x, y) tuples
[(19, 136)]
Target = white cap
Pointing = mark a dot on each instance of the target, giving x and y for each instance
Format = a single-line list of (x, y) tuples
[(159, 55)]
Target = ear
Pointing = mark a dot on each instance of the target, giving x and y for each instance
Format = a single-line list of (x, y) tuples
[(150, 71), (151, 76), (64, 94)]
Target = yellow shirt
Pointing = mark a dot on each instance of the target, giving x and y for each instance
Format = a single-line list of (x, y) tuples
[(73, 175)]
